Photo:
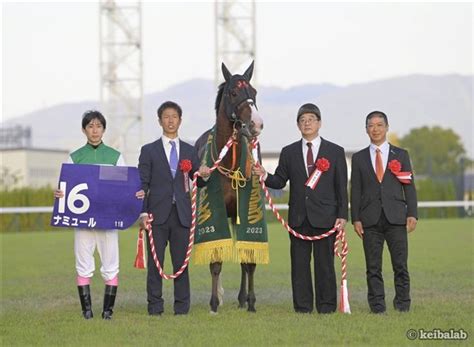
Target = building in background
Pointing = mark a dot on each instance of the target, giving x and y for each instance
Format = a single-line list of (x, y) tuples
[(30, 167)]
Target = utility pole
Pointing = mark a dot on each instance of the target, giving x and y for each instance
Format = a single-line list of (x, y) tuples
[(235, 36), (121, 77)]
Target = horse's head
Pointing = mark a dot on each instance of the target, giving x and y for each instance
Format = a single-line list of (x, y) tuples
[(237, 99)]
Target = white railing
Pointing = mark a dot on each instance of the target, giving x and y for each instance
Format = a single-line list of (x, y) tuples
[(49, 209)]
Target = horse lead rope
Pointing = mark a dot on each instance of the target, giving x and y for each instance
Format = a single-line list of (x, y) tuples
[(193, 222), (340, 237)]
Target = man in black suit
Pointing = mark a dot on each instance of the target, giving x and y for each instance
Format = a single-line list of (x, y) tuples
[(312, 211), (164, 183), (383, 208)]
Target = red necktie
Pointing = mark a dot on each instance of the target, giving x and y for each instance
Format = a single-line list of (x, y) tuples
[(309, 159), (378, 165)]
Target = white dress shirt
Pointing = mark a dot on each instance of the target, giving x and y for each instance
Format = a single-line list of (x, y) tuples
[(167, 146)]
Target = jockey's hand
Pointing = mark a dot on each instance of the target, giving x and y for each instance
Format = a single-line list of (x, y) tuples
[(340, 223), (143, 219), (411, 224), (259, 170), (204, 171), (58, 193), (359, 229), (140, 194)]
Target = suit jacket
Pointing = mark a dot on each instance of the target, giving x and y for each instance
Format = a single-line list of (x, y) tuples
[(369, 196), (159, 184), (328, 200)]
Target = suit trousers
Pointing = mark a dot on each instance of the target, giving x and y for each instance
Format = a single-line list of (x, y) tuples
[(178, 237), (324, 273), (397, 242)]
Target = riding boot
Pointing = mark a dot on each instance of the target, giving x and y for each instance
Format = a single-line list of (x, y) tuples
[(109, 301), (86, 301)]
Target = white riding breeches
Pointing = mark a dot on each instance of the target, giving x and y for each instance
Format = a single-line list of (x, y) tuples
[(85, 242)]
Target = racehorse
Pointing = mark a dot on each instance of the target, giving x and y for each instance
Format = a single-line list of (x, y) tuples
[(236, 115)]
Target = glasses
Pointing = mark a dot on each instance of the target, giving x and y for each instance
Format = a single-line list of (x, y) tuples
[(307, 120)]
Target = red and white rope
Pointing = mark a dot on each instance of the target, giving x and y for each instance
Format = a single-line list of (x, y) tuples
[(340, 242), (183, 267)]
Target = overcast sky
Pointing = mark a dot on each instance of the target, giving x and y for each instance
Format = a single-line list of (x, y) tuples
[(51, 50)]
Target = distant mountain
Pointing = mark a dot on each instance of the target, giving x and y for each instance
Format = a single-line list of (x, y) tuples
[(410, 102)]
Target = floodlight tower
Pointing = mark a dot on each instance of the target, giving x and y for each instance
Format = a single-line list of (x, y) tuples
[(121, 78), (235, 36)]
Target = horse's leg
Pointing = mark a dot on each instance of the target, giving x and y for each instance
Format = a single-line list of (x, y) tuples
[(251, 296), (220, 291), (243, 286), (215, 271)]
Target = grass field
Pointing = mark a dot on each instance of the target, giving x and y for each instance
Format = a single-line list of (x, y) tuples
[(39, 303)]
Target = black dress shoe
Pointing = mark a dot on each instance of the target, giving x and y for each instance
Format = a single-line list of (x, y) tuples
[(180, 313), (404, 310), (156, 314), (107, 315), (303, 311)]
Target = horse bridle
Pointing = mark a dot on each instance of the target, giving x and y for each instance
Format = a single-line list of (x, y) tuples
[(245, 96)]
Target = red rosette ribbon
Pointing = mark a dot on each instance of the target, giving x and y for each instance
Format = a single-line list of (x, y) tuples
[(396, 168), (185, 165), (322, 164)]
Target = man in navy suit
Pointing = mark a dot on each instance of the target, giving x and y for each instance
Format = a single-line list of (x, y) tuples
[(167, 200), (383, 208), (312, 210)]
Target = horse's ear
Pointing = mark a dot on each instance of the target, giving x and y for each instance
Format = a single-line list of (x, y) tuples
[(225, 72), (248, 73)]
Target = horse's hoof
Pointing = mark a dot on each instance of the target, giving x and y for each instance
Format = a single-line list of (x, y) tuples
[(241, 306), (252, 309), (214, 303), (213, 313)]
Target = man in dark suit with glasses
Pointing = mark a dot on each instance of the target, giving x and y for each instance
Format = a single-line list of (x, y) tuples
[(315, 207)]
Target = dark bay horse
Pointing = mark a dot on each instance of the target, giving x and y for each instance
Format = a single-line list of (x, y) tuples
[(236, 114)]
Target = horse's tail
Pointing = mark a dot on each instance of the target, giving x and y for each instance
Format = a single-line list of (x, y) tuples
[(200, 144)]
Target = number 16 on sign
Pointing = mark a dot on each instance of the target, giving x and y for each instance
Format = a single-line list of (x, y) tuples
[(73, 196)]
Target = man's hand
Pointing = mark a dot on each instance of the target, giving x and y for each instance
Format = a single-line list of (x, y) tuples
[(340, 223), (58, 193), (140, 194), (259, 170), (359, 229), (143, 220), (411, 224), (204, 171)]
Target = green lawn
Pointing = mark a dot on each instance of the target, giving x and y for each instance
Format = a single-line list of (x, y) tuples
[(39, 303)]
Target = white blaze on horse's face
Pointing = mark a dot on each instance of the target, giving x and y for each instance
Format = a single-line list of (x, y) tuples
[(256, 122)]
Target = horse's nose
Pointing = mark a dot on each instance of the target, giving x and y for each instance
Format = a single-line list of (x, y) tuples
[(256, 128)]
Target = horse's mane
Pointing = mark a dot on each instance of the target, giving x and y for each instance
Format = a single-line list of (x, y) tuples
[(220, 91)]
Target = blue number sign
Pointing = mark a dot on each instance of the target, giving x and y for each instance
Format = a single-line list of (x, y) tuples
[(97, 197)]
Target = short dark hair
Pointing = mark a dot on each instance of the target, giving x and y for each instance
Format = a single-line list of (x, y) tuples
[(169, 104), (90, 115), (376, 114), (308, 108)]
